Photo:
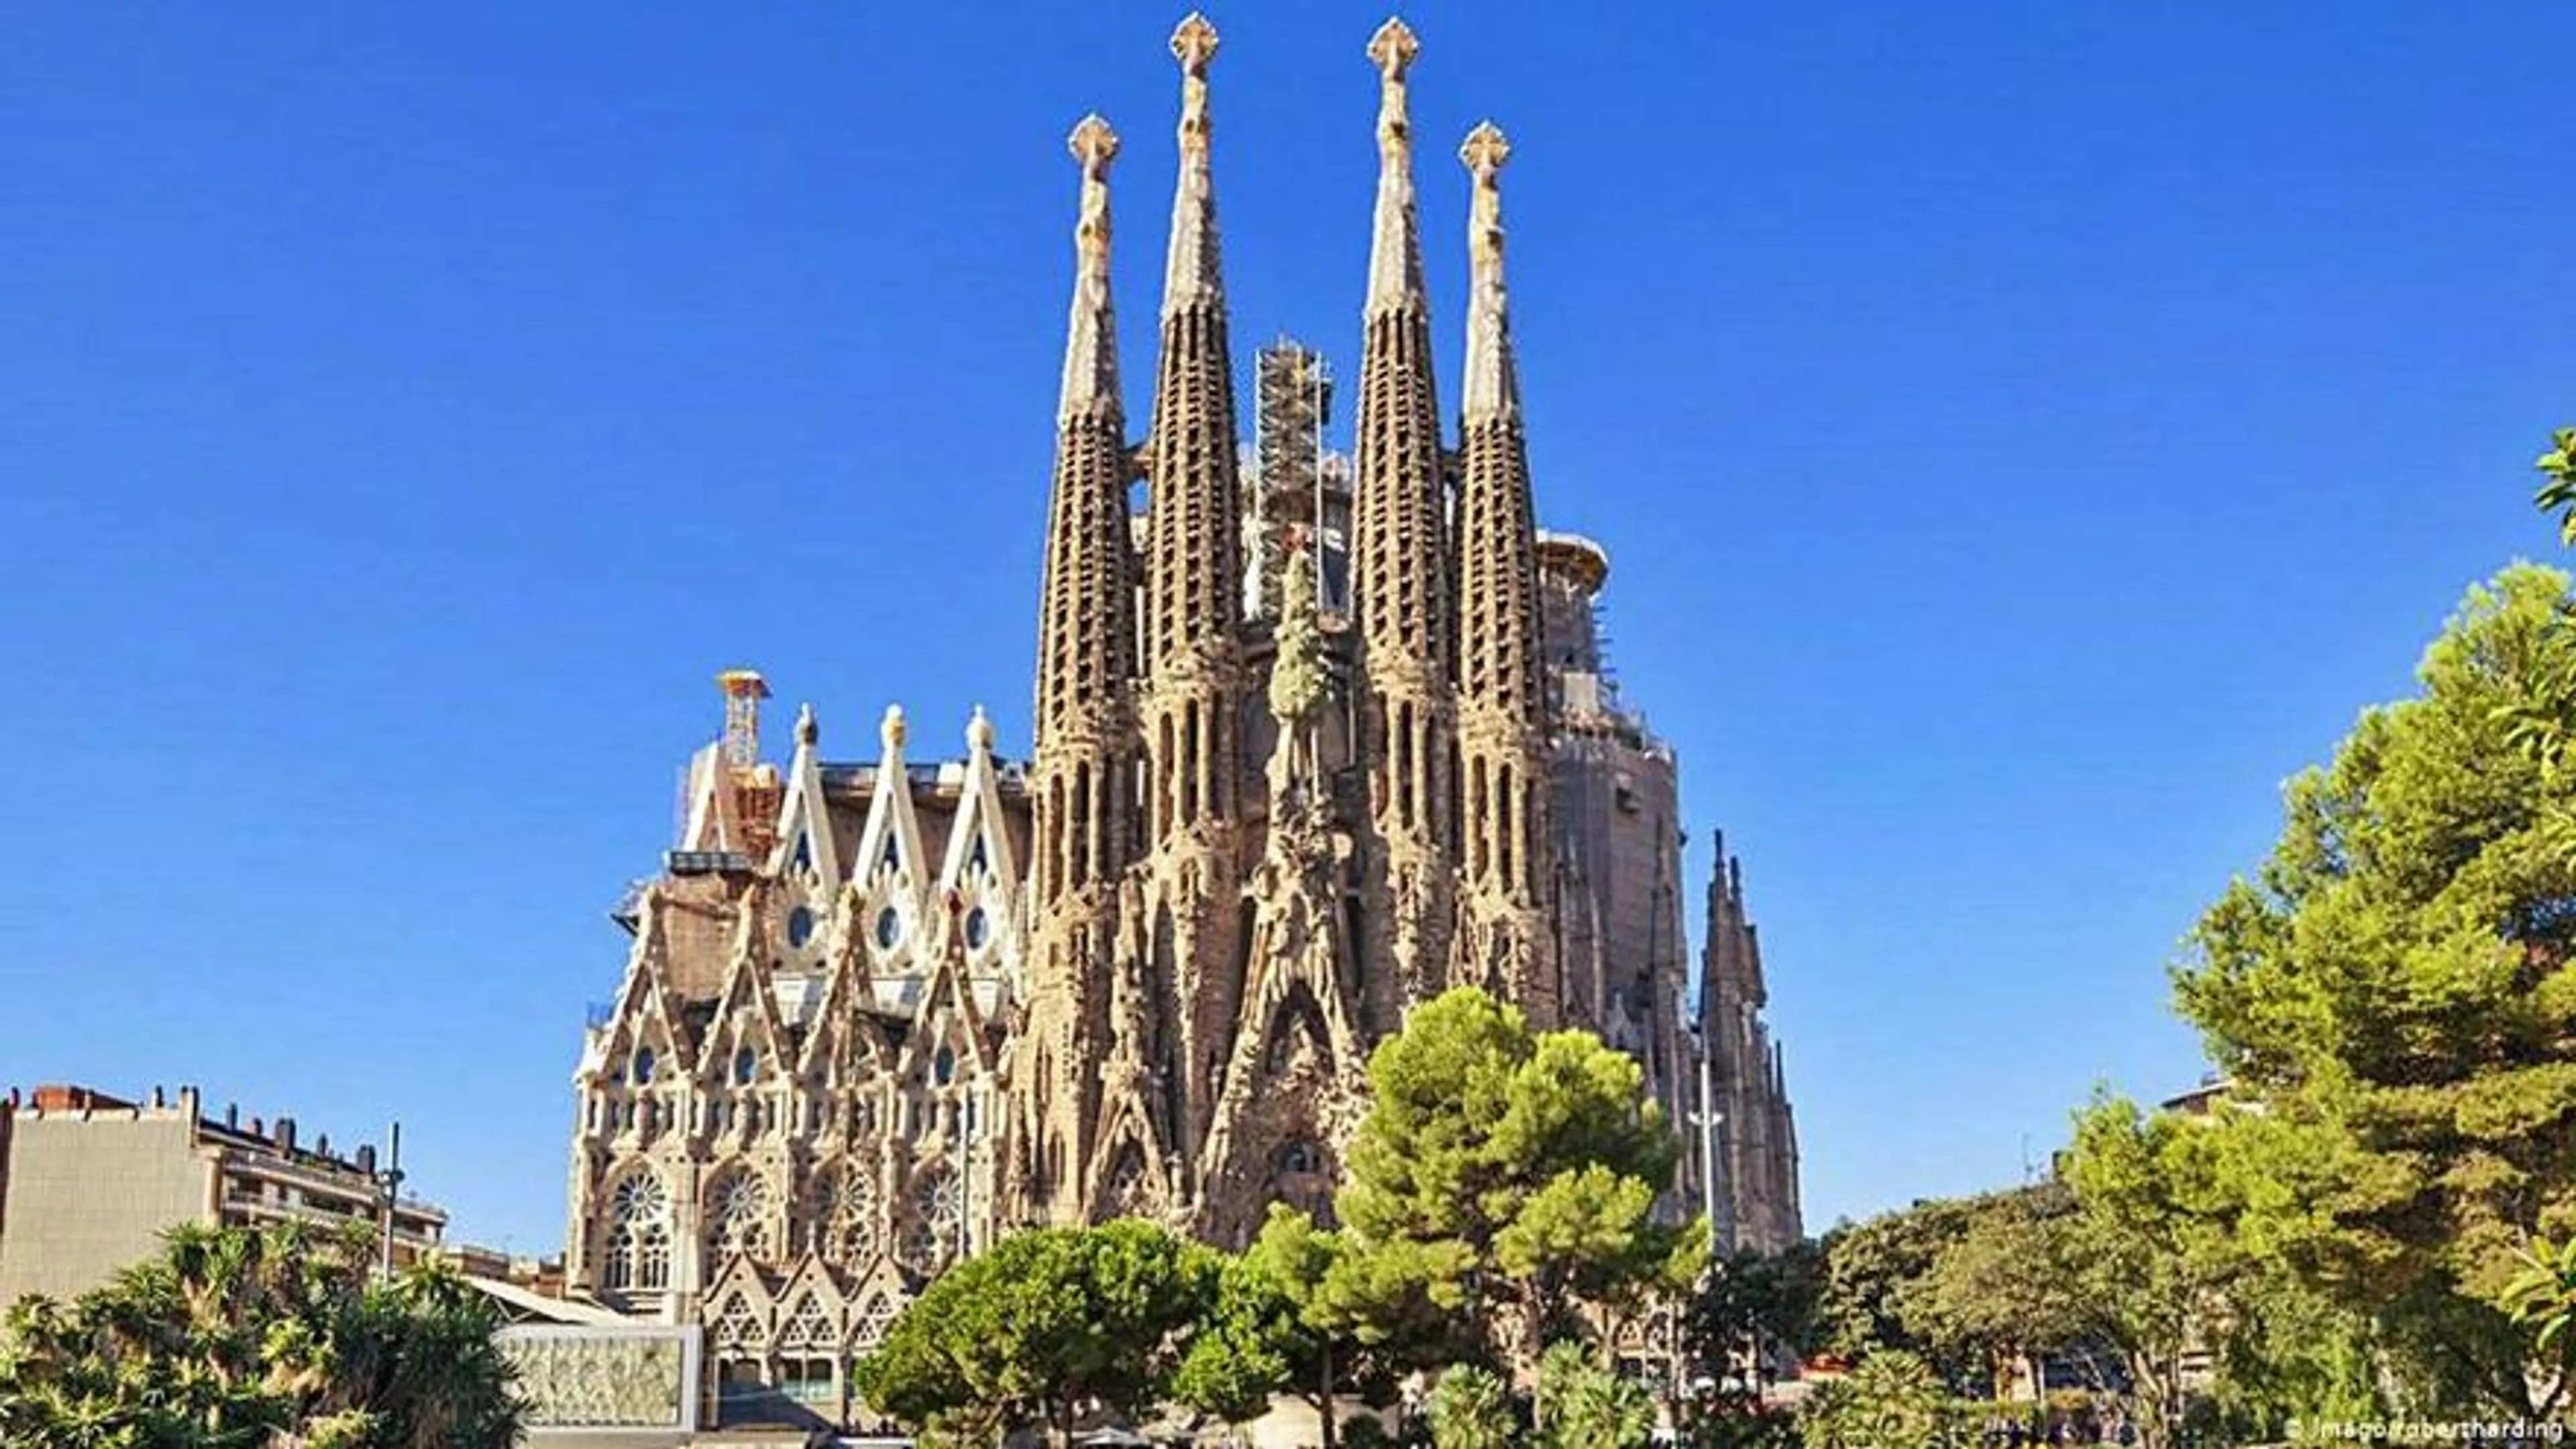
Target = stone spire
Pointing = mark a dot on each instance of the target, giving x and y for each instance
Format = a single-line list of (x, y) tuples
[(1194, 568), (1193, 708), (1400, 582), (1502, 720), (1081, 780)]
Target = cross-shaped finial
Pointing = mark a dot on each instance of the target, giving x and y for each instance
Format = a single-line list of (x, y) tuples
[(1092, 142), (1485, 150), (1194, 43), (1393, 48)]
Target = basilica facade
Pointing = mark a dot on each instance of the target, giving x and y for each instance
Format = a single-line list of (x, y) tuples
[(1317, 738)]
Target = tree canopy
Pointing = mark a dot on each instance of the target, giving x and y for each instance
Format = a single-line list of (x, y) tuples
[(2394, 991), (1045, 1320), (234, 1338), (1516, 1172)]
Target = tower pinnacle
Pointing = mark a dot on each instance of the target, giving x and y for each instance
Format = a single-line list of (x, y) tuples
[(1191, 273), (1491, 385), (1395, 253), (1091, 338)]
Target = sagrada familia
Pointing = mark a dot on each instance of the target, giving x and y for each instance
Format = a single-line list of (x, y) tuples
[(1317, 738)]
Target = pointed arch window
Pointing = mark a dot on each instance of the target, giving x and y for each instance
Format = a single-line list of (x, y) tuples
[(737, 1216), (875, 1317), (737, 1325), (847, 1216), (807, 1325), (893, 857), (804, 852), (637, 1251), (643, 1065), (943, 1066), (938, 1219), (977, 859), (746, 1065)]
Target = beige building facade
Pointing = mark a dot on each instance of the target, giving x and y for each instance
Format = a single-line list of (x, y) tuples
[(1316, 738), (89, 1183)]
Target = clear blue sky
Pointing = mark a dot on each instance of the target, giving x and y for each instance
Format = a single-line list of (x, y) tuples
[(2025, 434)]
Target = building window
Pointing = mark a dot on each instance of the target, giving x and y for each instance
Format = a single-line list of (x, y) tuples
[(643, 1065), (943, 1066), (977, 928), (746, 1065), (638, 1253), (800, 927), (938, 1219), (889, 928), (737, 1216), (846, 1213)]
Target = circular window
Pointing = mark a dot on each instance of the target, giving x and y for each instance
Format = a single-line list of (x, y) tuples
[(889, 928), (977, 928), (643, 1066), (800, 927)]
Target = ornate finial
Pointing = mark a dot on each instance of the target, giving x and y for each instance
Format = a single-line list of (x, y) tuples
[(1194, 42), (1485, 150), (1194, 45), (808, 733), (1093, 143), (1091, 342), (1395, 259), (1492, 385), (1393, 49), (979, 733), (890, 731)]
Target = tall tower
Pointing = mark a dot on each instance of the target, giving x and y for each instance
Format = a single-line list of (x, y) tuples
[(1505, 859), (1082, 779), (1400, 585), (1193, 715)]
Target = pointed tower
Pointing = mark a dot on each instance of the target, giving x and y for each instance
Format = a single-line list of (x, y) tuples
[(1193, 712), (1084, 827), (1400, 580), (1505, 860)]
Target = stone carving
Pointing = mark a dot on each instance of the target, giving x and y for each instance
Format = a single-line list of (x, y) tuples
[(600, 1381)]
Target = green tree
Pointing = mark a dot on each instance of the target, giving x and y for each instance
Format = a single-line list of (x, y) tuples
[(1754, 1305), (1472, 1408), (1891, 1401), (2010, 1287), (241, 1339), (1522, 1169), (2558, 495), (2394, 990), (1044, 1321), (1875, 1272), (1305, 1311), (1583, 1405)]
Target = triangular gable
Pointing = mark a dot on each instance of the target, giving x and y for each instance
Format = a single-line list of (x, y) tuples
[(806, 862), (980, 866), (711, 824), (889, 866), (746, 1014), (642, 1014), (843, 1032), (948, 1015)]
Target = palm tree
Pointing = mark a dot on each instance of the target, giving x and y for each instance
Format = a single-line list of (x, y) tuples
[(270, 1339)]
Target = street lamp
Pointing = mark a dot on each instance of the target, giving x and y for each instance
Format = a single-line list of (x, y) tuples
[(389, 1183)]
